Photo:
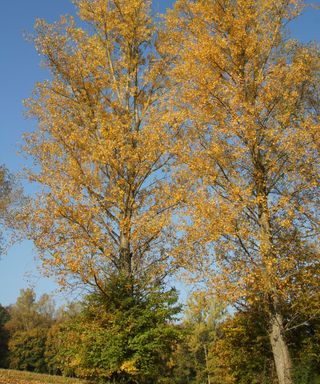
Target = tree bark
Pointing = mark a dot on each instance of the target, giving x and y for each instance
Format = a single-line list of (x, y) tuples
[(125, 255), (280, 350), (276, 334)]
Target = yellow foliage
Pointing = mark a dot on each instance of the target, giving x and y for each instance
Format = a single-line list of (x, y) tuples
[(102, 147), (129, 367), (245, 95)]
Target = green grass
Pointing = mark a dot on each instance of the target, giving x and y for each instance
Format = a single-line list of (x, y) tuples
[(20, 377)]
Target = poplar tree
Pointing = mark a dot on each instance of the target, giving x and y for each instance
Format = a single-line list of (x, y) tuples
[(102, 147), (248, 98)]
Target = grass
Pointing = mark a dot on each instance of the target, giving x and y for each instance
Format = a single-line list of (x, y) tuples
[(21, 377)]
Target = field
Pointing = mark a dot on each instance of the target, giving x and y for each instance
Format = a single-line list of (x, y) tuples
[(20, 377)]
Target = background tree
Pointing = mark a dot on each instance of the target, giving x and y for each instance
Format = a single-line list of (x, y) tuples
[(102, 147), (199, 327), (241, 353), (203, 315), (27, 350), (60, 337), (28, 313), (28, 326), (305, 345), (244, 92)]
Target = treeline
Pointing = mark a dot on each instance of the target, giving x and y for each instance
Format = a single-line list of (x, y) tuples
[(149, 340)]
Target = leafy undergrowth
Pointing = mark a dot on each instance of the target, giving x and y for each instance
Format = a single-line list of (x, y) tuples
[(21, 377)]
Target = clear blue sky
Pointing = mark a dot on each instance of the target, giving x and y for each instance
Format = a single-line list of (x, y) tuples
[(19, 70)]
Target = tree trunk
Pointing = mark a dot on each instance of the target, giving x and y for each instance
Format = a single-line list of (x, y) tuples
[(280, 350), (125, 256), (276, 334)]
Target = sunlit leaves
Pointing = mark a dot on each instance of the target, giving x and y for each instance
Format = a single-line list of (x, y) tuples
[(102, 145), (250, 149)]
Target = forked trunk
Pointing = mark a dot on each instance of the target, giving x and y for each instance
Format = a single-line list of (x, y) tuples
[(280, 350)]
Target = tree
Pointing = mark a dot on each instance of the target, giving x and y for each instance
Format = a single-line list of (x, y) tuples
[(28, 313), (103, 155), (248, 98), (28, 326), (27, 350), (120, 338), (202, 318), (241, 353), (102, 147), (306, 346), (58, 351)]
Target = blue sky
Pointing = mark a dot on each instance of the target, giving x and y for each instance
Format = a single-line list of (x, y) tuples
[(19, 71)]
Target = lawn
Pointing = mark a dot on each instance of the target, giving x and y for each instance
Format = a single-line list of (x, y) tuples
[(20, 377)]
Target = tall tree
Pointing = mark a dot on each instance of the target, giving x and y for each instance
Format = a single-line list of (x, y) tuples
[(102, 147), (248, 98)]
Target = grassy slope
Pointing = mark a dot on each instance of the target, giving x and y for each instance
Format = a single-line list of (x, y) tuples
[(20, 377)]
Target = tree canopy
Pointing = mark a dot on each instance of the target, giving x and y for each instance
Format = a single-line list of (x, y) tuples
[(102, 147), (250, 153)]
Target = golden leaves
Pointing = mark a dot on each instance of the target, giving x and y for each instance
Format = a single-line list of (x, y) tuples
[(103, 146), (234, 141), (241, 93)]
